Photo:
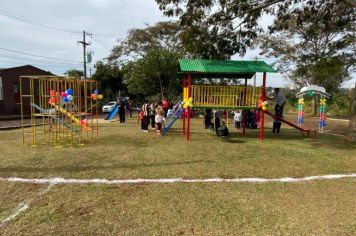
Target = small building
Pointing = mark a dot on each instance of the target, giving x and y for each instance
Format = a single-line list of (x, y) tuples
[(10, 88)]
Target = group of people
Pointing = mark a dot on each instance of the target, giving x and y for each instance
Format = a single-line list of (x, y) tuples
[(248, 118), (219, 124), (153, 114)]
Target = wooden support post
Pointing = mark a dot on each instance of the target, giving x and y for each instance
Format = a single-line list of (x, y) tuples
[(262, 128)]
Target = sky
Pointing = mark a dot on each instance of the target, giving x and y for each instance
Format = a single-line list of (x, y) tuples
[(55, 47)]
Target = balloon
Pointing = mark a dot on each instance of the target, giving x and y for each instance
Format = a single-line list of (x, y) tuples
[(100, 96), (64, 94), (52, 92), (93, 96), (188, 103), (69, 91), (84, 122), (69, 97), (65, 99), (52, 100), (96, 92)]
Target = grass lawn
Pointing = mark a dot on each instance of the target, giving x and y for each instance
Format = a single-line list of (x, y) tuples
[(325, 207)]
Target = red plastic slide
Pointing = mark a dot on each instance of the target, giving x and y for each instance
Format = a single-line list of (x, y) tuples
[(304, 131)]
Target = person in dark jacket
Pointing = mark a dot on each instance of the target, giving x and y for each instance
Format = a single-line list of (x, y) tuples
[(223, 131), (122, 111)]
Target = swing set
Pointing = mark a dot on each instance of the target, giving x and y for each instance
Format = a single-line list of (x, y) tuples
[(222, 97), (311, 91)]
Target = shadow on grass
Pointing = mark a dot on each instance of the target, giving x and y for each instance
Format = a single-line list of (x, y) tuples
[(12, 170)]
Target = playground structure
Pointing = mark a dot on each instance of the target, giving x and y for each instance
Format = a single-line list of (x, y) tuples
[(65, 108), (223, 97), (311, 91)]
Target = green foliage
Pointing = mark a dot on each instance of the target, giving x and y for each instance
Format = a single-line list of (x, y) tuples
[(153, 54), (155, 72), (74, 73), (164, 35), (316, 37), (317, 41), (110, 78)]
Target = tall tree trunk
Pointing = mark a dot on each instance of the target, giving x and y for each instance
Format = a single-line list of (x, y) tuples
[(315, 105), (352, 124), (160, 83)]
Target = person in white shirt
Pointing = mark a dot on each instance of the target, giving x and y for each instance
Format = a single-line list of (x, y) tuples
[(280, 102), (237, 119)]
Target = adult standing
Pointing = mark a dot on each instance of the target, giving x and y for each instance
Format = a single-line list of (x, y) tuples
[(152, 114), (146, 116), (122, 111), (280, 102)]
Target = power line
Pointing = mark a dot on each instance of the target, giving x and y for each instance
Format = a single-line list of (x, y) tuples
[(42, 22), (36, 21), (17, 63), (102, 44), (34, 55), (31, 60)]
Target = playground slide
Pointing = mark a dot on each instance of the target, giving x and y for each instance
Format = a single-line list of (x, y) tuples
[(43, 111), (289, 123), (112, 114), (175, 116), (175, 108), (50, 113), (70, 115)]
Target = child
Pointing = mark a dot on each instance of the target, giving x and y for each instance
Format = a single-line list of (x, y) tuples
[(237, 120), (141, 118), (159, 120), (223, 131)]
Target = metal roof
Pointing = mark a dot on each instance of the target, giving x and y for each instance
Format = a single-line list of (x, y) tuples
[(211, 68)]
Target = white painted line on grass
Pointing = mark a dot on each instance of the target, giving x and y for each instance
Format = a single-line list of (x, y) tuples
[(23, 206), (175, 180)]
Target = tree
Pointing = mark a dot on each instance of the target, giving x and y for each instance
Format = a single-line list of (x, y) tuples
[(155, 72), (110, 78), (317, 42), (222, 28), (74, 73), (164, 35), (353, 111)]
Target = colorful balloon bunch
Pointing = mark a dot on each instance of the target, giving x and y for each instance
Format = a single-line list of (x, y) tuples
[(96, 96), (300, 108), (310, 93), (323, 117), (67, 95), (54, 97), (263, 105), (84, 122), (188, 103)]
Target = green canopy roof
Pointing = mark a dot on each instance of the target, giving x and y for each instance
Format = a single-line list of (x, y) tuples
[(220, 68)]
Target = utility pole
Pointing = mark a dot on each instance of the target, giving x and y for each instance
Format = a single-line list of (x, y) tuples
[(85, 44)]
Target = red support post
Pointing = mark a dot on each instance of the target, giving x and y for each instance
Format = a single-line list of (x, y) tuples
[(244, 123), (262, 128), (188, 109), (183, 115)]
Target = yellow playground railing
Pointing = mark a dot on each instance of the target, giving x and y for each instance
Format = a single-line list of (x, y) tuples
[(211, 96)]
